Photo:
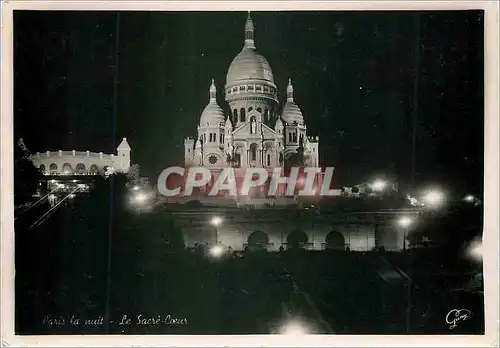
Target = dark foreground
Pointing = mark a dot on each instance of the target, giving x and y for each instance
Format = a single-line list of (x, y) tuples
[(82, 272)]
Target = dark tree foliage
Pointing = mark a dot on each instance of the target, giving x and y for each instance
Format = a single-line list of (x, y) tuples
[(26, 176)]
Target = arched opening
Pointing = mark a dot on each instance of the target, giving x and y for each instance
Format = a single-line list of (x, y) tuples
[(53, 168), (80, 168), (253, 152), (258, 240), (266, 115), (67, 169), (335, 241), (250, 109), (235, 116), (268, 159), (42, 168), (93, 169), (296, 239), (242, 114), (259, 110)]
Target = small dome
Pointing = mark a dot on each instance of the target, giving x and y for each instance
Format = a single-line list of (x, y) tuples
[(291, 112), (213, 113)]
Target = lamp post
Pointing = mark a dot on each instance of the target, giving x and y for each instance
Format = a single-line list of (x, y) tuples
[(216, 221), (405, 223)]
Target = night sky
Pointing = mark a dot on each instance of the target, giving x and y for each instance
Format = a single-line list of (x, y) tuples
[(360, 78)]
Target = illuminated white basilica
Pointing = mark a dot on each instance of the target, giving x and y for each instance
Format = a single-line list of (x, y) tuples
[(258, 132)]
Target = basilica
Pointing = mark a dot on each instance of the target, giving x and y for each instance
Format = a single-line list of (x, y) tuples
[(259, 131)]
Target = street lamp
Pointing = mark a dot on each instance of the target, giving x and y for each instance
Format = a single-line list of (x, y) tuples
[(379, 185), (216, 250), (216, 221), (475, 251), (294, 328), (433, 198), (405, 223), (140, 198)]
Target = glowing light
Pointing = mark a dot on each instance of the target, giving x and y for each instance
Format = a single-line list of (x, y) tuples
[(433, 198), (140, 198), (294, 328), (61, 186), (405, 222), (217, 250), (475, 251), (135, 188), (379, 185), (216, 221), (469, 198), (71, 196), (52, 181), (74, 180)]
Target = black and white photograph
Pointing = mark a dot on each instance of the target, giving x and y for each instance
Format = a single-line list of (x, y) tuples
[(249, 172)]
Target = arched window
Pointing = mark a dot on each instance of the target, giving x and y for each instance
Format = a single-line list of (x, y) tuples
[(222, 138), (266, 115), (242, 114), (42, 168), (259, 110), (80, 168), (294, 137), (235, 116), (67, 169), (210, 138), (253, 152), (268, 160), (250, 109), (290, 137)]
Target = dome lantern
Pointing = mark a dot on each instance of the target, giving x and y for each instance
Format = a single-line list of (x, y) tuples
[(213, 92), (289, 91), (249, 42)]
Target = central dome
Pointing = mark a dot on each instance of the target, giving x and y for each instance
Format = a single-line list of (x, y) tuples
[(249, 65)]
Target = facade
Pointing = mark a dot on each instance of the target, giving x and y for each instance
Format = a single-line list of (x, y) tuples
[(258, 131), (82, 162)]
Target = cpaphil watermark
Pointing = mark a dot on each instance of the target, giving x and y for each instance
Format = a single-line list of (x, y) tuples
[(236, 182)]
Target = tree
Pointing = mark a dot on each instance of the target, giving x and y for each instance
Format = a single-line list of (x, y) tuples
[(26, 175), (133, 175)]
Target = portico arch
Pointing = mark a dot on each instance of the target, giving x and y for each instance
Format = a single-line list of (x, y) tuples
[(335, 241), (53, 168), (258, 240), (297, 239), (93, 169)]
